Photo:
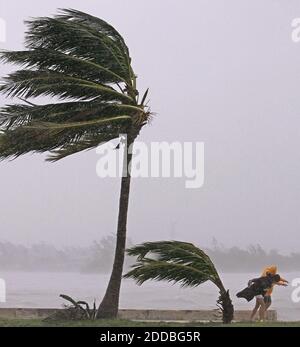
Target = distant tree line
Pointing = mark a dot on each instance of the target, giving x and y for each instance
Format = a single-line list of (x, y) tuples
[(98, 258), (252, 259)]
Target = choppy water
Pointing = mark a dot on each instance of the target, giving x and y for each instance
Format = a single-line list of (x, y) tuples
[(43, 289)]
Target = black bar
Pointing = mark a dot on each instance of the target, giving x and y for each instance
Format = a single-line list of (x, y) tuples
[(205, 336)]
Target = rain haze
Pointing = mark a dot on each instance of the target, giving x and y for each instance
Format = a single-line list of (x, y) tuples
[(223, 72)]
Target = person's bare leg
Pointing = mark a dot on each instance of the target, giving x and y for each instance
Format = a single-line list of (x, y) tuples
[(262, 310), (256, 307), (267, 304)]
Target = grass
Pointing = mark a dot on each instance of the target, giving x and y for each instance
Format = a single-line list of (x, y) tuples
[(128, 323)]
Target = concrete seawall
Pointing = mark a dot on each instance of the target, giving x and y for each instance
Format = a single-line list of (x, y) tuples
[(153, 315)]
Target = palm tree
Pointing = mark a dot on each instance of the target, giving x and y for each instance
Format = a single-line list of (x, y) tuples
[(178, 262), (85, 64)]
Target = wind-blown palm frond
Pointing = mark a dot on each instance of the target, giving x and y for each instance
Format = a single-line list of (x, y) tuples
[(41, 138), (65, 33), (174, 261), (178, 262), (28, 83), (15, 115), (45, 59), (171, 272), (84, 63)]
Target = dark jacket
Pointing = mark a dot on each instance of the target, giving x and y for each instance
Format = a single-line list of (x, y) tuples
[(257, 286)]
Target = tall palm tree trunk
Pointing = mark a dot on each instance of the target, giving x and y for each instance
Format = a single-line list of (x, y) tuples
[(110, 304)]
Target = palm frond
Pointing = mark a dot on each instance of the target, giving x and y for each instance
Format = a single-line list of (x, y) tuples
[(87, 142), (98, 24), (105, 29), (150, 269), (82, 125), (173, 254), (47, 59), (22, 140), (28, 83), (78, 39), (15, 115)]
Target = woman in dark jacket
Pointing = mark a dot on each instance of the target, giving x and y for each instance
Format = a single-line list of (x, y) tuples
[(259, 288)]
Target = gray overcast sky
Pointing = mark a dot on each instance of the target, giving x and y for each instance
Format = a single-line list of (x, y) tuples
[(223, 72)]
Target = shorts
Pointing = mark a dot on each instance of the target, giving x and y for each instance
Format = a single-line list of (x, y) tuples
[(267, 299), (259, 297)]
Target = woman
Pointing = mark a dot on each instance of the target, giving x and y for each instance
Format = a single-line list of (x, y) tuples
[(263, 302)]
